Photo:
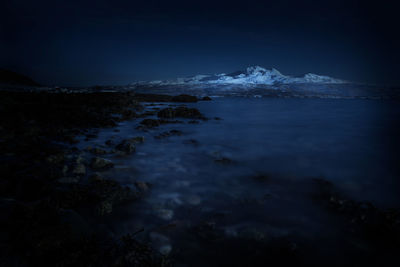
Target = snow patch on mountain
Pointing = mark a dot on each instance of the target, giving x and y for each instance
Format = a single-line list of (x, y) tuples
[(255, 75)]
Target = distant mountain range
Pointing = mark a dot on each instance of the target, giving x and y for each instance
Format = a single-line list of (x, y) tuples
[(251, 76)]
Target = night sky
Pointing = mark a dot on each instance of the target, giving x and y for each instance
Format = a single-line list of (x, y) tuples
[(117, 42)]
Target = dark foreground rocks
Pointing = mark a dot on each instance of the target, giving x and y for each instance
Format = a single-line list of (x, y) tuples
[(52, 194), (182, 112), (166, 98)]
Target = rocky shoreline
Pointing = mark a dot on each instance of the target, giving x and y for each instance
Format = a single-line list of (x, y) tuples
[(55, 196), (51, 190)]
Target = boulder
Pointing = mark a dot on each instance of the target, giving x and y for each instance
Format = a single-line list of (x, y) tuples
[(126, 146), (100, 163), (183, 112), (79, 169), (150, 123)]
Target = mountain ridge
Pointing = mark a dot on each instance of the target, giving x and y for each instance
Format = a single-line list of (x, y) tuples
[(254, 75)]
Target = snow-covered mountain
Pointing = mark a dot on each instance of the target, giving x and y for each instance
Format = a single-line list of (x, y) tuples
[(251, 76)]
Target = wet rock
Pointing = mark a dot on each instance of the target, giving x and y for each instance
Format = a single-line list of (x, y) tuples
[(126, 147), (96, 177), (137, 140), (167, 113), (128, 114), (142, 186), (169, 121), (80, 160), (206, 98), (169, 133), (193, 200), (165, 249), (252, 234), (261, 177), (64, 170), (56, 158), (109, 142), (165, 214), (68, 180), (223, 160), (76, 222), (217, 118), (183, 112), (79, 169), (150, 123), (100, 163), (193, 122), (91, 136), (184, 98), (191, 142), (97, 150), (104, 208)]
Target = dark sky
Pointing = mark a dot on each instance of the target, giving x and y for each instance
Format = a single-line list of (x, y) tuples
[(117, 42)]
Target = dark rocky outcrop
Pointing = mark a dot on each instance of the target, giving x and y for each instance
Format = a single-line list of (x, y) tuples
[(182, 112), (8, 77), (184, 98), (98, 163), (150, 123), (126, 146)]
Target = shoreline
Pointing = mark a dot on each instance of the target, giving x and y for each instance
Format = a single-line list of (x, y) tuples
[(50, 188)]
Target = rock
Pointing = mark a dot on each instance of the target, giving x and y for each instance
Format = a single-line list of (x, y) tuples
[(79, 169), (223, 160), (167, 134), (183, 112), (64, 170), (191, 142), (193, 200), (150, 123), (109, 142), (184, 98), (98, 151), (96, 177), (261, 178), (56, 159), (128, 114), (165, 214), (217, 118), (167, 113), (165, 249), (76, 222), (68, 180), (252, 234), (142, 186), (100, 163), (126, 146), (206, 98), (104, 208), (80, 160), (137, 140)]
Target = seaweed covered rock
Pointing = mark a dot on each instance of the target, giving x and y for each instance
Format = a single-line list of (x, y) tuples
[(150, 123), (101, 164), (183, 112), (126, 146)]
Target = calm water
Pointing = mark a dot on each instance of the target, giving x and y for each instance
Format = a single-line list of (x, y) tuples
[(287, 142)]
